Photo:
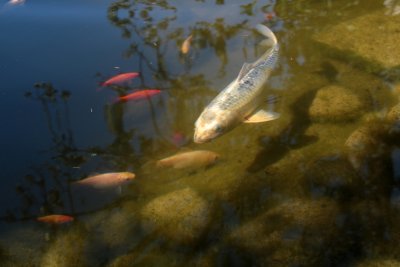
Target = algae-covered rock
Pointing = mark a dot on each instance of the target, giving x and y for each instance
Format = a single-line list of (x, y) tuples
[(152, 258), (366, 142), (114, 227), (336, 103), (373, 39), (20, 244), (69, 249), (393, 116), (181, 215), (295, 233), (379, 263)]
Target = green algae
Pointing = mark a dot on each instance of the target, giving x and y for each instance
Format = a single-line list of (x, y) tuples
[(370, 39), (181, 215)]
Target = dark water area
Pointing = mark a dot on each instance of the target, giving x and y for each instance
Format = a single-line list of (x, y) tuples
[(319, 186)]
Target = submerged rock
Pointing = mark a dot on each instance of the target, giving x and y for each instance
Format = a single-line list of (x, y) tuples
[(116, 229), (336, 103), (181, 215), (377, 47), (295, 233), (366, 143), (20, 244), (379, 263), (69, 249), (393, 116), (153, 257)]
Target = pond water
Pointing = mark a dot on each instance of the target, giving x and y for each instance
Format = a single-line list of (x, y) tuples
[(319, 186)]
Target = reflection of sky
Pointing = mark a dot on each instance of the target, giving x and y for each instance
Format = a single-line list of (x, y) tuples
[(65, 44)]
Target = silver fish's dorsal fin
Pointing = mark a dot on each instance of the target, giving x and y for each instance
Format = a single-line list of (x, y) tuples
[(245, 69), (261, 116)]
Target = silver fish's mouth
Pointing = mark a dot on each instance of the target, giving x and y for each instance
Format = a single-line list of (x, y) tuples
[(199, 140), (201, 137), (204, 136)]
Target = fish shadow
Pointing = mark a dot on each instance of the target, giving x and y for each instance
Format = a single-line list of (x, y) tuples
[(293, 136), (87, 199)]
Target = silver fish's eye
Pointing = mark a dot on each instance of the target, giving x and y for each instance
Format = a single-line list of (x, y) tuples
[(218, 128)]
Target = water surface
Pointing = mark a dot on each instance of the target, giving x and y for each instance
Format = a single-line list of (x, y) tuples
[(297, 191)]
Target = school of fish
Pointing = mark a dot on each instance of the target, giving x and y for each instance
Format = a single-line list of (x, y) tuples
[(238, 102)]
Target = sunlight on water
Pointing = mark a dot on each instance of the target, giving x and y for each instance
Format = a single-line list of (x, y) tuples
[(85, 140)]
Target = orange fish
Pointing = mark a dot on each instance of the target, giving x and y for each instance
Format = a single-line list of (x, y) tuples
[(55, 219), (186, 45), (191, 159), (120, 78), (269, 16), (106, 180), (140, 94)]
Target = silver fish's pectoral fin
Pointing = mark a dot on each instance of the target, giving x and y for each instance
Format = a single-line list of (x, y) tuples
[(262, 116), (245, 69)]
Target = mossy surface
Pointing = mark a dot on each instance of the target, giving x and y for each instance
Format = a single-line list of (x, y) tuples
[(373, 38)]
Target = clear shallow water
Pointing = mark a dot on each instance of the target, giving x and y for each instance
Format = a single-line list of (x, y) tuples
[(289, 192)]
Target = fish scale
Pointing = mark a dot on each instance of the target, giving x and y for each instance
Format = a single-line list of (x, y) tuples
[(246, 88)]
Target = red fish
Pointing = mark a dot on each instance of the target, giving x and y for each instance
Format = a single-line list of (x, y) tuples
[(140, 94), (55, 219), (120, 78)]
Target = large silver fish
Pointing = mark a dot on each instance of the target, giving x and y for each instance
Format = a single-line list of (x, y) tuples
[(240, 100)]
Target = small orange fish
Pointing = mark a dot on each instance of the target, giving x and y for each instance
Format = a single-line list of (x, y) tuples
[(120, 78), (142, 94), (269, 16), (186, 45), (106, 180), (191, 159), (55, 219)]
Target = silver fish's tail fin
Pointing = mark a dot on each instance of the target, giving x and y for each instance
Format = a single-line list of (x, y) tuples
[(271, 38)]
